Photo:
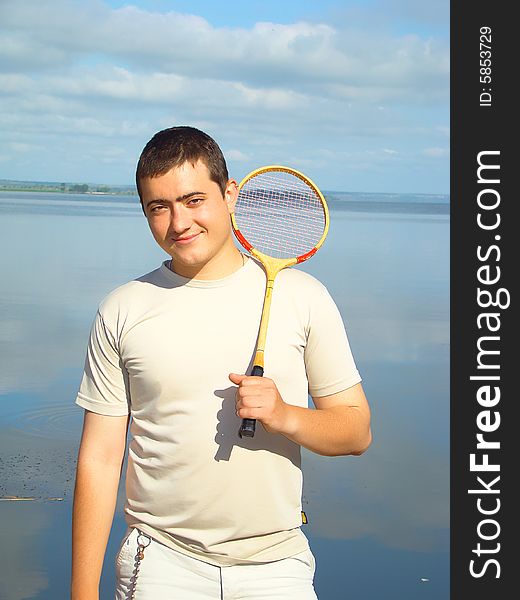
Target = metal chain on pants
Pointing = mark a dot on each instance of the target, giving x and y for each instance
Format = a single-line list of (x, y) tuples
[(143, 541)]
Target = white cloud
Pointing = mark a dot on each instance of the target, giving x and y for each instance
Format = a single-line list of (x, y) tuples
[(22, 147), (436, 152), (237, 155), (297, 55), (14, 83), (84, 69)]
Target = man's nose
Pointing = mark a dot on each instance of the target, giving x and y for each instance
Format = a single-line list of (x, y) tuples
[(180, 219)]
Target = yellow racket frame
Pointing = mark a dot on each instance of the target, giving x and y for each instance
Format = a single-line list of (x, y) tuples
[(272, 265)]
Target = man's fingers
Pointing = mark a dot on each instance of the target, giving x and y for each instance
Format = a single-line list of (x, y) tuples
[(256, 397), (250, 399), (249, 413), (236, 378), (251, 381)]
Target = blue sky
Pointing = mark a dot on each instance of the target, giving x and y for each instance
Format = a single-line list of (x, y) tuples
[(354, 94)]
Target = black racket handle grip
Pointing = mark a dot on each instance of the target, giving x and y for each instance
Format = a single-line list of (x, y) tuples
[(247, 429)]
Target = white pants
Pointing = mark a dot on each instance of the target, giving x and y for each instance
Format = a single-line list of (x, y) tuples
[(165, 574)]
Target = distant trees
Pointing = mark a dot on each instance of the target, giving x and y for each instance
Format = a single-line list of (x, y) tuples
[(9, 185), (80, 188)]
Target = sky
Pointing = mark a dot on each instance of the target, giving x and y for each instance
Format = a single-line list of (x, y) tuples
[(353, 93)]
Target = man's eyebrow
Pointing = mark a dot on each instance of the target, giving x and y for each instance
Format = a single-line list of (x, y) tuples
[(189, 195), (178, 199)]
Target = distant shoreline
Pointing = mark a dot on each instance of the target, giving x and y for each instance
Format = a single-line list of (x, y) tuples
[(67, 188), (100, 189)]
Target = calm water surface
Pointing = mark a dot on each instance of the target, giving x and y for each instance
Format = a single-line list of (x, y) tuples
[(378, 524)]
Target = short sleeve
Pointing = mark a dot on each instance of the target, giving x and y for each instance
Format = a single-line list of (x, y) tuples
[(329, 362), (104, 387)]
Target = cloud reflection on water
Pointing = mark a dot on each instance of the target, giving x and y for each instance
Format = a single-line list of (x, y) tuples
[(22, 574)]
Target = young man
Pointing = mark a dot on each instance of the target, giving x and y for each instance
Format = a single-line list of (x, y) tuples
[(210, 515)]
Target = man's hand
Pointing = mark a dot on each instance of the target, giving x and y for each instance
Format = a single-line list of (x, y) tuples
[(259, 398)]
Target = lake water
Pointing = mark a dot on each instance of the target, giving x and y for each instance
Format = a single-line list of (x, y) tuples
[(378, 524)]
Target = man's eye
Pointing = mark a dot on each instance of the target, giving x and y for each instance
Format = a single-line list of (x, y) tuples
[(194, 201), (156, 208)]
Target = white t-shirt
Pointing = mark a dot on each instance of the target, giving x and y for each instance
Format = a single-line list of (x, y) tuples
[(161, 348)]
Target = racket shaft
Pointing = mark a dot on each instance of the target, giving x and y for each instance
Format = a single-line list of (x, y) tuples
[(247, 429), (264, 321)]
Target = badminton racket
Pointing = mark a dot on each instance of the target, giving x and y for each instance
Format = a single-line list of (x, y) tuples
[(281, 218)]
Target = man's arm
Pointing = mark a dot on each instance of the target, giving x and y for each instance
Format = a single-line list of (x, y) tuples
[(100, 461), (345, 420), (339, 425)]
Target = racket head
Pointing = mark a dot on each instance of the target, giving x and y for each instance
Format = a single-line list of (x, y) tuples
[(280, 217)]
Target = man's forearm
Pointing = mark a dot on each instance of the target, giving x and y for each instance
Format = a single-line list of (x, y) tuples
[(95, 497), (334, 431)]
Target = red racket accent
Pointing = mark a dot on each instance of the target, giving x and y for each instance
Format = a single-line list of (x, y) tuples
[(243, 240), (306, 256)]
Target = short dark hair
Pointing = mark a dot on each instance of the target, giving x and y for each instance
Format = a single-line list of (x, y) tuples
[(173, 147)]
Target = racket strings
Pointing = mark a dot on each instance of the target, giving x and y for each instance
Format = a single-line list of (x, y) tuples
[(280, 215)]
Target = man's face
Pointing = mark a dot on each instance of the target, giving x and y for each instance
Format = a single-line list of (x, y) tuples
[(189, 219)]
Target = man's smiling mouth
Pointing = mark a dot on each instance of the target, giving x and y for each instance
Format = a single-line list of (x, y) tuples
[(186, 239)]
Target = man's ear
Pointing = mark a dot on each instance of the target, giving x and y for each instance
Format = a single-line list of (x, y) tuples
[(231, 194)]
